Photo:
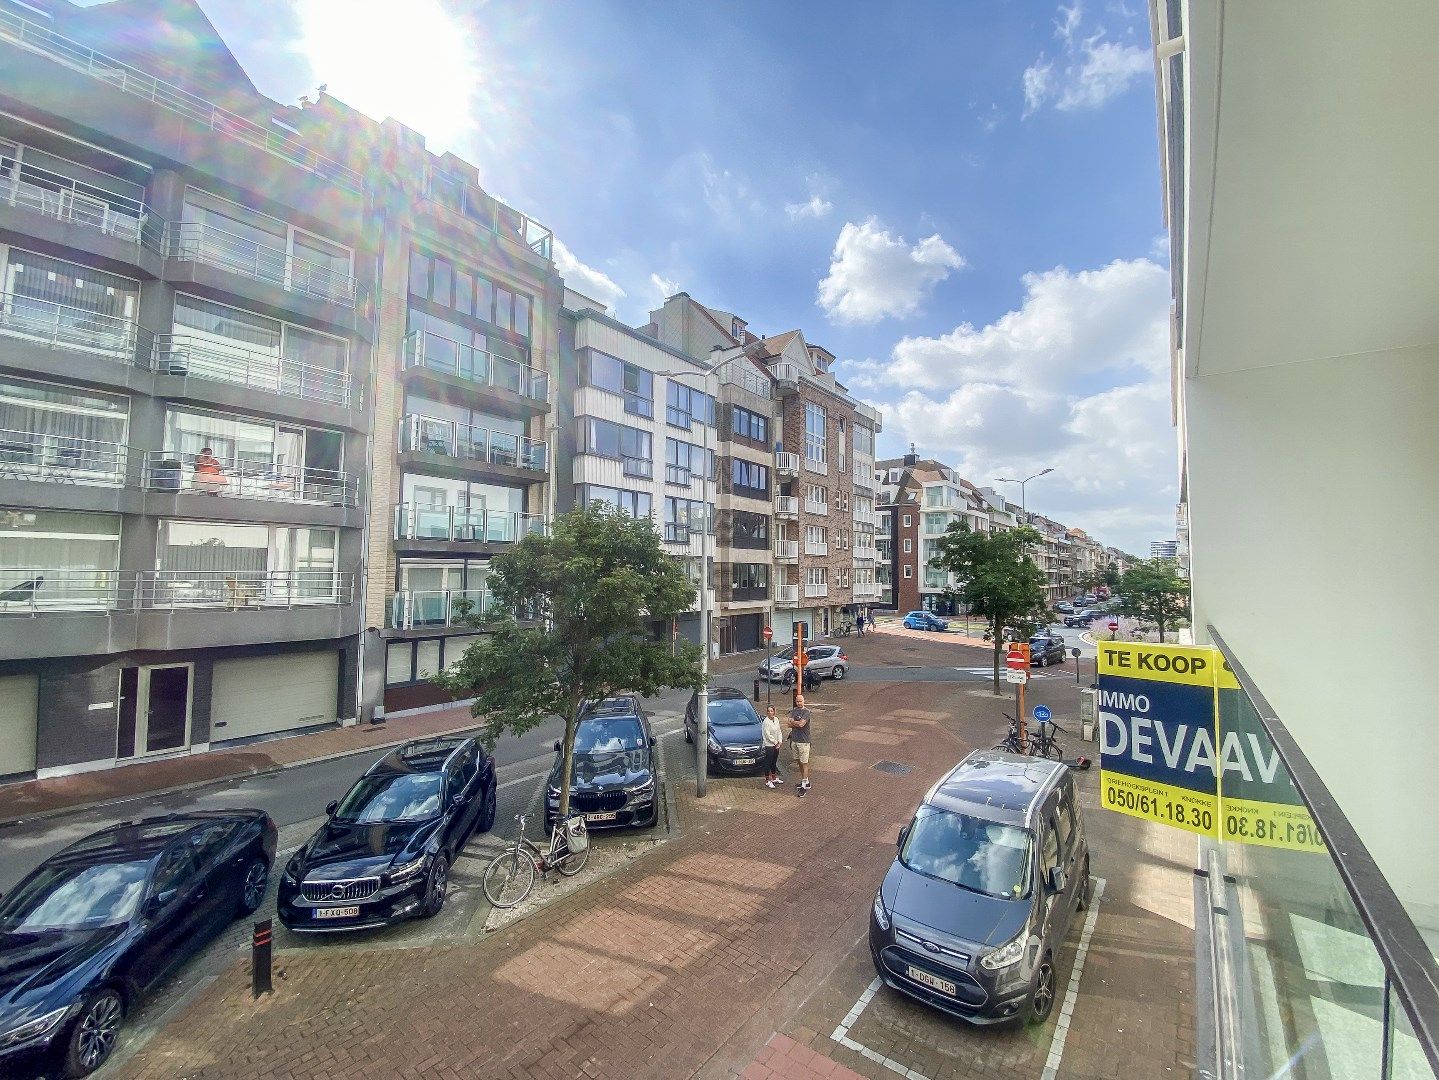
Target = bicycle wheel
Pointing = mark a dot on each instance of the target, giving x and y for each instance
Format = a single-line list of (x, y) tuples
[(570, 863), (509, 878), (1046, 748)]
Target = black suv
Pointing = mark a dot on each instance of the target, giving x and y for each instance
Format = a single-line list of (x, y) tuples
[(614, 775), (1046, 649), (96, 926), (734, 743), (385, 852)]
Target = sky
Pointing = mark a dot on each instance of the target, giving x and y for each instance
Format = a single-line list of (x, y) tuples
[(959, 198)]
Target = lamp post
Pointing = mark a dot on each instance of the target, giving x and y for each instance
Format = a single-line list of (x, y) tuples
[(1023, 505), (703, 720)]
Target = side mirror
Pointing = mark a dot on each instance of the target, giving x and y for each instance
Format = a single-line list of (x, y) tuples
[(558, 746), (653, 741), (161, 900), (1057, 880), (331, 807), (903, 834)]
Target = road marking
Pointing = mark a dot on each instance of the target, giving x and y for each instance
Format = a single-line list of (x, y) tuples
[(841, 1035), (1071, 995)]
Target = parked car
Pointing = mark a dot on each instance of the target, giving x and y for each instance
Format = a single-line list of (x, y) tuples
[(385, 853), (613, 779), (924, 620), (1046, 649), (974, 910), (734, 742), (88, 933), (826, 661), (1064, 607), (1083, 617)]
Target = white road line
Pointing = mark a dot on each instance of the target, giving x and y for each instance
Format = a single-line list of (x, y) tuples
[(1071, 995), (841, 1035)]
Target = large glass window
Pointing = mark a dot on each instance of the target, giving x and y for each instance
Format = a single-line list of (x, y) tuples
[(216, 341), (635, 503), (463, 290), (745, 424), (750, 475), (61, 433), (749, 576), (237, 455), (633, 383), (685, 405), (57, 559), (227, 234), (608, 439), (863, 441), (816, 446), (749, 530), (228, 562), (688, 513), (68, 303), (684, 461)]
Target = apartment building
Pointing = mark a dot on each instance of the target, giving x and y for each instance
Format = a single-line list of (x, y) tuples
[(184, 403)]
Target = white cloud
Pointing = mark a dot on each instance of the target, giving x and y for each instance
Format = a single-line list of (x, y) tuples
[(593, 283), (664, 287), (1089, 72), (1159, 246), (1037, 79), (1068, 21), (423, 69), (874, 274), (817, 207)]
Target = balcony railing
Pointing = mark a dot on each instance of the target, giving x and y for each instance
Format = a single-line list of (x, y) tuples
[(37, 455), (497, 217), (412, 609), (177, 590), (639, 468), (25, 183), (864, 479), (866, 592), (678, 474), (786, 595), (174, 473), (786, 506), (864, 554), (786, 375), (427, 435), (435, 353), (741, 373), (813, 507), (815, 592), (676, 533), (194, 356), (786, 464), (816, 547), (31, 590), (786, 550), (864, 519), (41, 39), (61, 326), (459, 524), (194, 242)]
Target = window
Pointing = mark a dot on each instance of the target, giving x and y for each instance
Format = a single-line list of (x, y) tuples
[(686, 513), (907, 521), (685, 461), (815, 534), (62, 433), (844, 577), (215, 341), (255, 458), (816, 494), (908, 571), (908, 546), (438, 281), (52, 558), (749, 474), (210, 561), (685, 405), (745, 424), (68, 302), (1049, 850), (442, 283), (749, 576), (464, 292), (816, 447), (1065, 821), (816, 575), (522, 315), (635, 503), (749, 530), (419, 274), (634, 384), (608, 439), (245, 240), (864, 444)]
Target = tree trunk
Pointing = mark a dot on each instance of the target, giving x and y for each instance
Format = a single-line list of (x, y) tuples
[(998, 648), (567, 762)]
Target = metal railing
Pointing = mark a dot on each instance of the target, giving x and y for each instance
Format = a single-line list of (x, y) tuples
[(31, 590), (195, 242), (813, 507), (786, 550), (785, 373), (426, 350), (785, 463), (816, 547), (428, 435), (460, 524), (815, 592), (72, 200), (175, 590), (786, 506), (639, 468), (176, 473), (62, 326), (863, 554), (864, 479), (420, 608), (197, 357), (786, 595), (501, 219), (864, 519), (41, 39), (39, 455), (675, 533), (741, 373)]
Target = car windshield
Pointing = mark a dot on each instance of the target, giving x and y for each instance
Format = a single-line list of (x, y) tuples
[(731, 712), (787, 653), (982, 856), (64, 897), (391, 797), (608, 735)]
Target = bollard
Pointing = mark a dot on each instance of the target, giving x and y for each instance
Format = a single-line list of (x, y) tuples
[(756, 689), (260, 959)]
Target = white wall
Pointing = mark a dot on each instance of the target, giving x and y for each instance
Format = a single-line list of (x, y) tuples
[(1314, 498)]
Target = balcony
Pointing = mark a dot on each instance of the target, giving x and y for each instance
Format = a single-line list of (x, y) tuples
[(786, 506), (675, 533), (173, 473), (816, 547), (60, 459), (742, 373), (76, 194), (472, 445), (786, 377), (202, 357), (435, 353), (786, 596), (869, 416), (191, 241), (176, 590), (436, 609), (678, 475), (786, 464), (864, 554), (786, 551), (866, 592), (816, 592), (115, 75), (30, 590), (638, 468), (863, 479), (458, 524), (864, 519), (60, 326), (813, 507)]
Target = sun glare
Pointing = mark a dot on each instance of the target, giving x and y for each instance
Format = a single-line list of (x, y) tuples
[(410, 61)]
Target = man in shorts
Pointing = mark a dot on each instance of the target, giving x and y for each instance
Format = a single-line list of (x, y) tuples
[(799, 743)]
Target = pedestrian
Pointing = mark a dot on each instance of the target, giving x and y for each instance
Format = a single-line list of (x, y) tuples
[(859, 623), (771, 737), (799, 743)]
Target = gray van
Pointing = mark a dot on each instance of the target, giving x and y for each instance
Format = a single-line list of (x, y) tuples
[(976, 906)]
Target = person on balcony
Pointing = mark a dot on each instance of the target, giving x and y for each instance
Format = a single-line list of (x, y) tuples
[(209, 473)]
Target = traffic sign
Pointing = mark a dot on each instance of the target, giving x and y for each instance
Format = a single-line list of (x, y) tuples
[(1016, 675), (1014, 660), (1113, 625), (768, 633), (1042, 713)]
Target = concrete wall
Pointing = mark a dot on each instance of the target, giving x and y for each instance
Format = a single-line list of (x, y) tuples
[(1314, 515)]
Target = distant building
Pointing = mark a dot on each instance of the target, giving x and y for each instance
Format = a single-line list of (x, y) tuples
[(1164, 549)]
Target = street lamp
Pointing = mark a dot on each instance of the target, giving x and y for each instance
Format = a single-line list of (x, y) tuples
[(703, 722), (1023, 505)]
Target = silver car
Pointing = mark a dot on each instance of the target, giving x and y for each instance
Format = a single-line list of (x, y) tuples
[(826, 661)]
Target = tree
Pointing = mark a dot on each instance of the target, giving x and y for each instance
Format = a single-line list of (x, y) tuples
[(1110, 577), (998, 579), (569, 623), (1153, 591)]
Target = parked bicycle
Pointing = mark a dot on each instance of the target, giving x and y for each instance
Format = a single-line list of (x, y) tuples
[(1042, 743), (1011, 739), (511, 875)]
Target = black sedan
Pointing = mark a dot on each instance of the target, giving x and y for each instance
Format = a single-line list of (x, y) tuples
[(384, 854), (612, 782), (1045, 649), (92, 929), (734, 743)]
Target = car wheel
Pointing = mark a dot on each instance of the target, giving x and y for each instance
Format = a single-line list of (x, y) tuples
[(1040, 662), (252, 888), (93, 1035), (1041, 1001), (487, 815), (436, 886), (838, 672)]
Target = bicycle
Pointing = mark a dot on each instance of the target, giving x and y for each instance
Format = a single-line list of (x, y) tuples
[(511, 874), (1043, 743), (1011, 738)]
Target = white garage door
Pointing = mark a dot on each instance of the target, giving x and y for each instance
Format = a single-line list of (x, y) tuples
[(19, 695), (782, 623), (263, 694)]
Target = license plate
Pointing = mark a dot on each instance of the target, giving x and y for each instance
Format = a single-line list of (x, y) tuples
[(944, 986), (744, 761), (602, 817), (336, 912)]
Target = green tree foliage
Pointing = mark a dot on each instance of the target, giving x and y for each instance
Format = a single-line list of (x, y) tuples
[(998, 579), (1153, 591), (570, 622)]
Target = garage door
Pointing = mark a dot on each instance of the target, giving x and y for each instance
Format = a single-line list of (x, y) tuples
[(19, 695), (265, 694), (748, 632), (782, 622)]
